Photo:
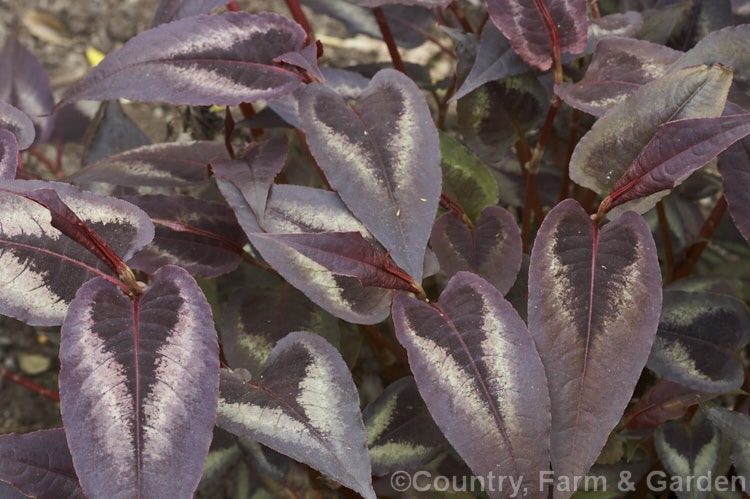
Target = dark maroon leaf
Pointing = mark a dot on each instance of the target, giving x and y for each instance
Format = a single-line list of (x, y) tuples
[(533, 27), (24, 84), (618, 67), (382, 157), (304, 404), (257, 318), (477, 369), (689, 452), (16, 121), (401, 434), (178, 164), (202, 60), (139, 386), (70, 125), (297, 209), (698, 334), (594, 302), (305, 59), (664, 401), (172, 10), (495, 60), (200, 236), (729, 47), (677, 150), (8, 155), (112, 132), (491, 249), (254, 172), (343, 253), (39, 465), (40, 269), (734, 167), (604, 154)]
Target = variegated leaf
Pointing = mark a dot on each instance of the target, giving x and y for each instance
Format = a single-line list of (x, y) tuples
[(8, 155), (139, 385), (594, 302), (689, 453), (729, 47), (491, 249), (39, 465), (698, 333), (734, 167), (200, 236), (604, 154), (257, 318), (178, 164), (40, 268), (480, 375), (401, 434), (383, 158), (17, 122), (201, 60), (304, 404)]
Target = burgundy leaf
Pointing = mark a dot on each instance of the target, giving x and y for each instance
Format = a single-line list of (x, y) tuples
[(477, 369), (618, 67), (383, 158), (257, 318), (177, 164), (40, 268), (17, 122), (24, 84), (537, 29), (305, 59), (677, 150), (344, 253), (734, 167), (664, 401), (139, 386), (491, 249), (8, 155), (200, 236), (304, 404), (173, 10), (113, 132), (202, 60), (39, 465), (254, 172), (296, 209), (594, 302)]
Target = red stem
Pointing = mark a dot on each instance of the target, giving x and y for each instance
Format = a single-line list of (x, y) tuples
[(458, 11), (19, 380), (595, 9), (299, 15), (694, 252), (46, 162), (232, 6), (388, 38)]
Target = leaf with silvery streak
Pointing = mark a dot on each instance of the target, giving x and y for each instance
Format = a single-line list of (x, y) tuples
[(304, 404), (17, 122), (139, 384), (8, 155)]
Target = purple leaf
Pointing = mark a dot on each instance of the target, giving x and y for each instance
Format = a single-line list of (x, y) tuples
[(39, 465), (687, 349), (177, 164), (383, 158), (533, 25), (495, 60), (729, 47), (139, 386), (113, 132), (664, 401), (16, 121), (491, 249), (594, 302), (677, 150), (24, 84), (202, 60), (257, 318), (618, 68), (200, 236), (689, 453), (8, 155), (254, 172), (40, 269), (305, 59), (736, 427), (344, 253), (734, 167), (604, 154), (421, 3), (480, 375), (401, 434), (305, 405), (173, 10), (623, 25)]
